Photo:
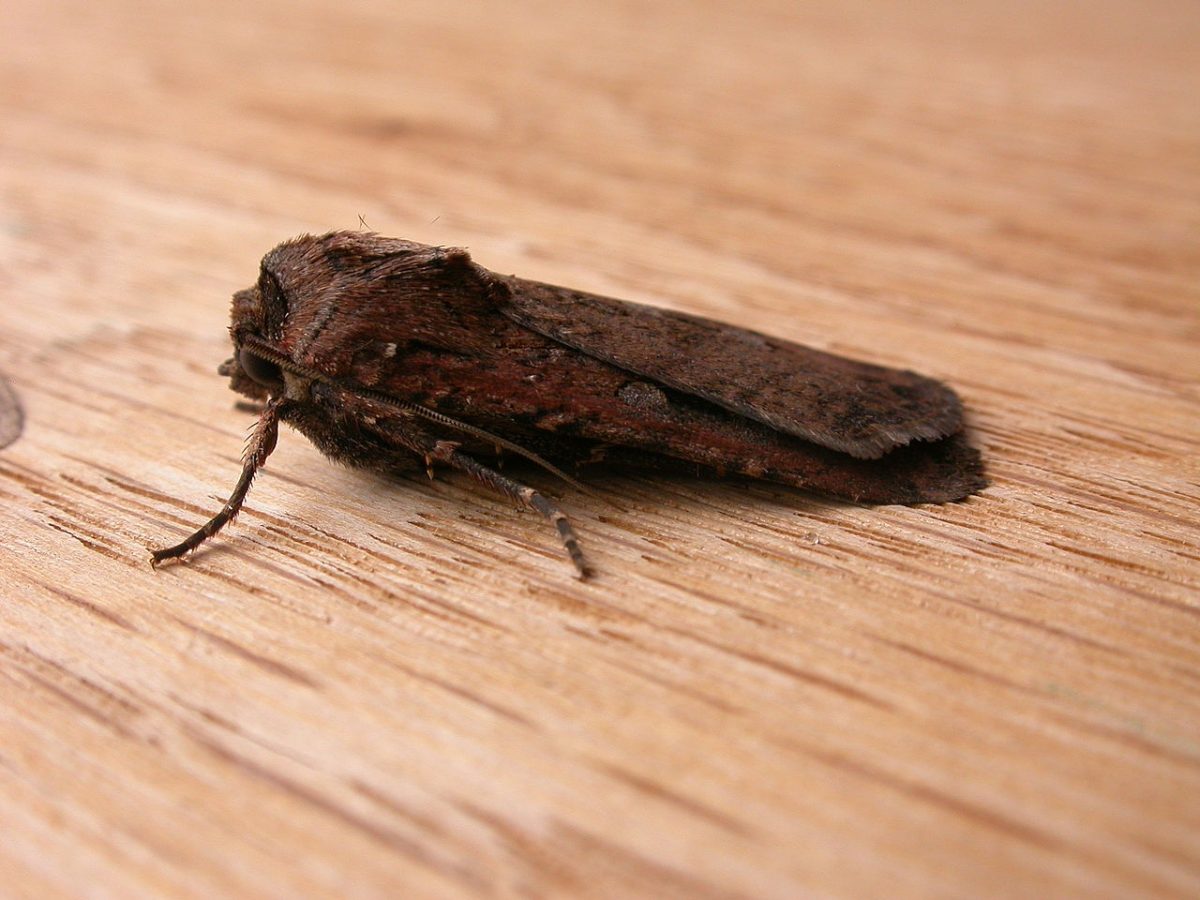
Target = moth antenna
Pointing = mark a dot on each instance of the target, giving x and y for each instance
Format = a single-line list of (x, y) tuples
[(502, 444), (505, 444), (272, 355), (484, 435)]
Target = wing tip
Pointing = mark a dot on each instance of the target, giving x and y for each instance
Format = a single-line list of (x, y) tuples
[(926, 411)]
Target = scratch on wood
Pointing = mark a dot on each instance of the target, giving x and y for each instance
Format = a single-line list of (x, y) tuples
[(465, 694), (427, 824), (639, 875), (803, 675), (954, 665), (973, 811), (568, 858), (376, 832), (106, 708), (1026, 621), (78, 705), (94, 545), (263, 662), (89, 606), (709, 699), (1129, 739), (694, 807)]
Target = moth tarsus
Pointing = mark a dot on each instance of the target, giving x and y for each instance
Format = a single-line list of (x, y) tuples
[(378, 349)]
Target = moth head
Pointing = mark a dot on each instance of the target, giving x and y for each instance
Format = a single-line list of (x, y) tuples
[(256, 320), (336, 279), (252, 374)]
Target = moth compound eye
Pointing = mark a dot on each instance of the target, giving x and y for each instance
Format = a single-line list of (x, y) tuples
[(260, 370)]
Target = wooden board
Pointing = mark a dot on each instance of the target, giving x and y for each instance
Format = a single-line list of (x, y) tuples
[(374, 687)]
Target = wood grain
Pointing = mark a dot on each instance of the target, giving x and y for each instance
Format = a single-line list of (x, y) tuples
[(376, 687)]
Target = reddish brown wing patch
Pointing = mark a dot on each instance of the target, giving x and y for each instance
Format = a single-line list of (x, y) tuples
[(853, 407)]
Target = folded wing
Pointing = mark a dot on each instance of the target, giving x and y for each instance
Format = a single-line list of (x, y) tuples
[(853, 407)]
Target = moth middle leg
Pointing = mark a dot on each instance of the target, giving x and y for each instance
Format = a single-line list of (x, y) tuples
[(396, 427), (526, 496)]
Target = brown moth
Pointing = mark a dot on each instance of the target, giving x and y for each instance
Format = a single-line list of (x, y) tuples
[(379, 349)]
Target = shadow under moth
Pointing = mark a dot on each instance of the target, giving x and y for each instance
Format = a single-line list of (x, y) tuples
[(382, 350)]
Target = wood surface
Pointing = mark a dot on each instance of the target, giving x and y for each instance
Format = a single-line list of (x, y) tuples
[(379, 687)]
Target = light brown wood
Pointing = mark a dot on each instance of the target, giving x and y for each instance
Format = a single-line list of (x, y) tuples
[(374, 687)]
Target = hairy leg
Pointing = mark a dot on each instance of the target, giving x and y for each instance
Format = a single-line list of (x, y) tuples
[(258, 448)]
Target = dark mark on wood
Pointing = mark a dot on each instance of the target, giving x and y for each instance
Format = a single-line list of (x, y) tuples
[(640, 875), (465, 694), (694, 807), (263, 662), (427, 824), (12, 417), (802, 675), (90, 607), (569, 861), (385, 836), (973, 811), (70, 530), (106, 708)]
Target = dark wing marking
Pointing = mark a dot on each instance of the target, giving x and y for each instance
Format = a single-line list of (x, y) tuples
[(853, 407)]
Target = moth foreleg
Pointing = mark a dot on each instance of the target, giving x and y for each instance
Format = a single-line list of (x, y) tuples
[(261, 443)]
